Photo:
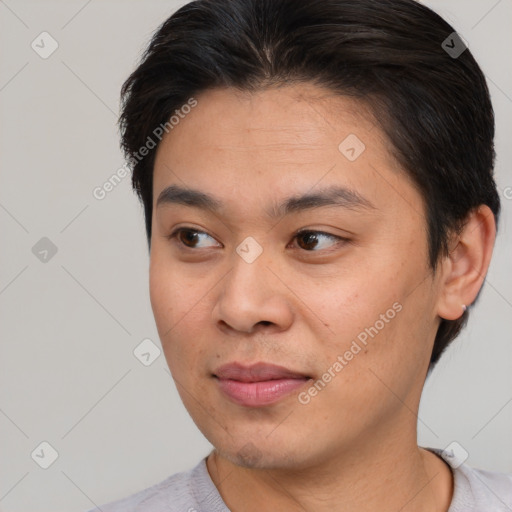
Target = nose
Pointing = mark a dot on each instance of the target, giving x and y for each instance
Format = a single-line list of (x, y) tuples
[(252, 297)]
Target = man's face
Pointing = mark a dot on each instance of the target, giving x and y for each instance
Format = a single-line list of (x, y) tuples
[(305, 302)]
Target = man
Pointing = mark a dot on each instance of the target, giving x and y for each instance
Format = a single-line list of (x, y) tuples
[(321, 212)]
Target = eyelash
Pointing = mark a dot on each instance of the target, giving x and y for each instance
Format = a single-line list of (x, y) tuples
[(339, 239)]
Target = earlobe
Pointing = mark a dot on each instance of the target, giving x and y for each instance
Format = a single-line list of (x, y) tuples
[(465, 268)]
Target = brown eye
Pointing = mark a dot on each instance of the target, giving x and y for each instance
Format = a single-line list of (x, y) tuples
[(313, 241), (189, 237)]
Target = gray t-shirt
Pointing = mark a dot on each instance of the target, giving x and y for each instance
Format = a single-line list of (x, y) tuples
[(475, 490)]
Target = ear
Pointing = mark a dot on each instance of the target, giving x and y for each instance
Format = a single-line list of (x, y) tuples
[(464, 269)]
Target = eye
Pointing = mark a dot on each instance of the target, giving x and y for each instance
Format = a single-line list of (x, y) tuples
[(314, 241), (189, 237), (309, 240)]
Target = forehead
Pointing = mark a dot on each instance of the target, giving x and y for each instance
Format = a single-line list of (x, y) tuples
[(284, 139), (227, 117)]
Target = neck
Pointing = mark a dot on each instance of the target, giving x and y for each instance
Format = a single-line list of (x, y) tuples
[(395, 475)]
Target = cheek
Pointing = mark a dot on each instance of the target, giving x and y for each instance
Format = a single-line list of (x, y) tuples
[(161, 295), (171, 294), (384, 358), (178, 310), (374, 316)]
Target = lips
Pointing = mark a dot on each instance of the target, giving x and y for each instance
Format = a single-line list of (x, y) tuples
[(259, 384)]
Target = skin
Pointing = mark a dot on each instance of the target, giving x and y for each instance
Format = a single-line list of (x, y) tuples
[(300, 304)]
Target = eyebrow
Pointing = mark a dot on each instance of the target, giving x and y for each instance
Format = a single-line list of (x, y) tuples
[(329, 196)]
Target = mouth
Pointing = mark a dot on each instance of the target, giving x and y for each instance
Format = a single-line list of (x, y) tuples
[(259, 384)]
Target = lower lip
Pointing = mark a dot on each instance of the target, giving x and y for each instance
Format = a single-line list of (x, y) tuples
[(257, 394)]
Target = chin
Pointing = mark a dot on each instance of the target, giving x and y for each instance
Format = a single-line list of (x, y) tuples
[(254, 455)]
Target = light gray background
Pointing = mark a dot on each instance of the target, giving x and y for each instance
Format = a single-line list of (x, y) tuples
[(69, 326)]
